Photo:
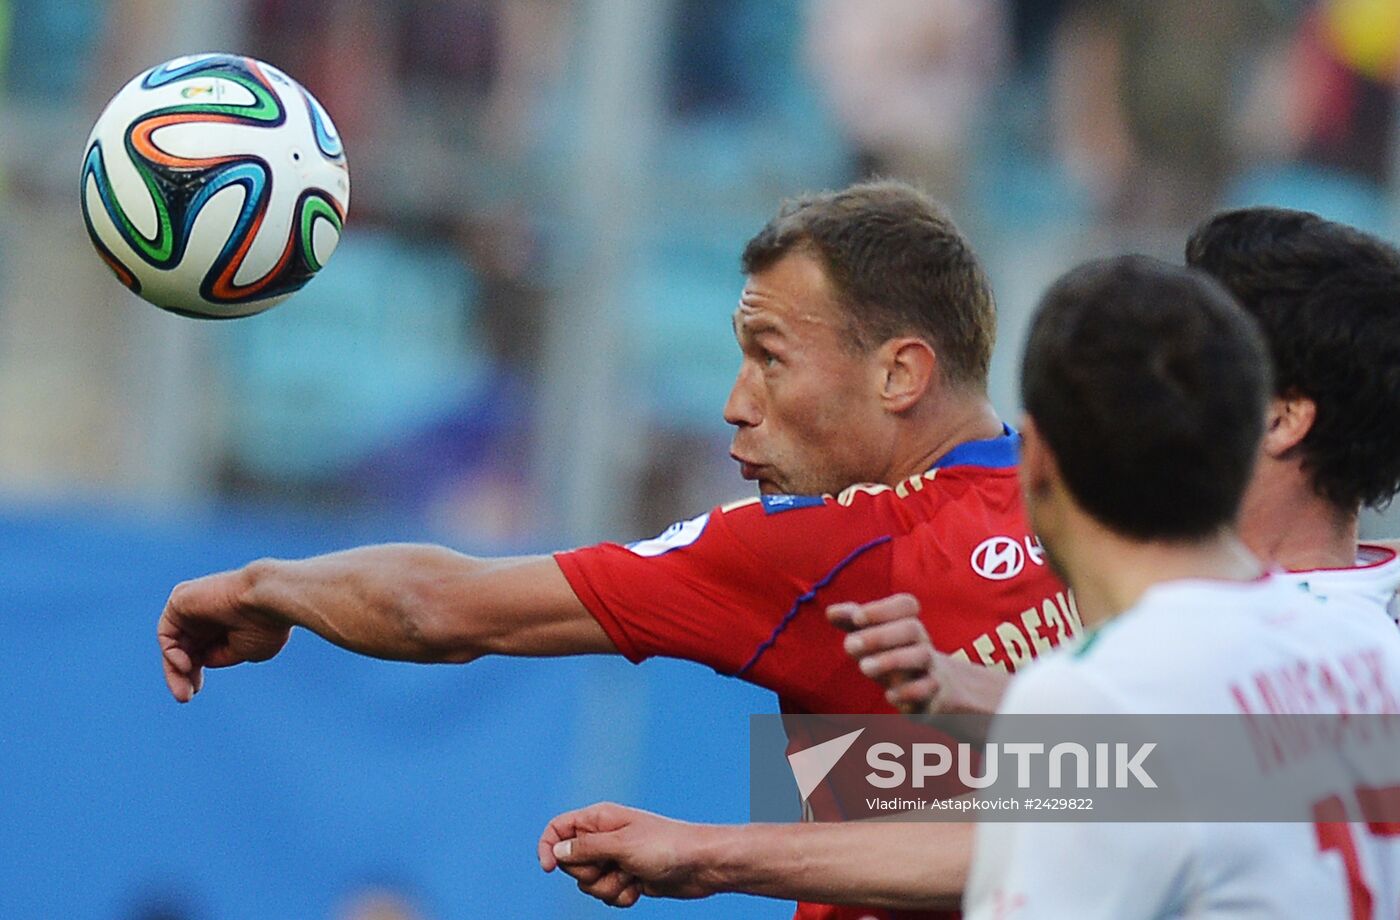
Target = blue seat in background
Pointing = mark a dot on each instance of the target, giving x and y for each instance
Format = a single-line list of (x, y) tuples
[(372, 348)]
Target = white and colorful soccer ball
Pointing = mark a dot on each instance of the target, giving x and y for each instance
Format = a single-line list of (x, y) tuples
[(214, 186)]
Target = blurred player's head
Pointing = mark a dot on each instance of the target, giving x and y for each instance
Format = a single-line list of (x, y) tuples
[(1327, 299), (1144, 385), (865, 312)]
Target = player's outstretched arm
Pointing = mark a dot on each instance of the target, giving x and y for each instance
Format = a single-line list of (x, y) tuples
[(888, 641), (406, 602), (618, 854)]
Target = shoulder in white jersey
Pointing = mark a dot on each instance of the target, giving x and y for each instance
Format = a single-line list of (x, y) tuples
[(1376, 576), (1191, 647)]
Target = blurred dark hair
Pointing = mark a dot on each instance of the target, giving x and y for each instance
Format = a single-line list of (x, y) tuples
[(1148, 383), (897, 264), (1327, 298)]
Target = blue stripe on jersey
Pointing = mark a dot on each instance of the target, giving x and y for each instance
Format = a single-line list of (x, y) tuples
[(997, 453), (805, 598), (776, 504)]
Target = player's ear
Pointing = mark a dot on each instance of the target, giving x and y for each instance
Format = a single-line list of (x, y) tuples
[(1289, 420), (908, 366), (1041, 488), (1039, 471)]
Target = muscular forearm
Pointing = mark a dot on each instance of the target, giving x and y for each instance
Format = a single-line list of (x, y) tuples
[(900, 866), (415, 602)]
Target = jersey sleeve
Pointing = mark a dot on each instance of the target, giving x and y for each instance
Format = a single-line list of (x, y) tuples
[(715, 588)]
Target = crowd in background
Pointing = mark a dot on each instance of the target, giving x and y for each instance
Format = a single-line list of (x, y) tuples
[(420, 376), (410, 377)]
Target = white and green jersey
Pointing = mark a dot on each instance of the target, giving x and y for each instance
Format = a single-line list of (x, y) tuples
[(1204, 647), (1375, 577)]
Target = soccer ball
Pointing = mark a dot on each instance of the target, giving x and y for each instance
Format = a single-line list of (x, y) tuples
[(214, 186)]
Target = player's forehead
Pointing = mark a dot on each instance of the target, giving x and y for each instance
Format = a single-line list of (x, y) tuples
[(792, 297), (750, 321)]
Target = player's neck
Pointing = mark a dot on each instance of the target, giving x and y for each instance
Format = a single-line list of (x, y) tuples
[(1110, 573), (1288, 525), (955, 421)]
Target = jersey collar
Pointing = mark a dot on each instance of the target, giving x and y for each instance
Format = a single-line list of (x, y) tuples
[(997, 453)]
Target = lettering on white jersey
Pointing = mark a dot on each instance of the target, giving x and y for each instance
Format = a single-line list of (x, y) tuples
[(678, 535), (1353, 683), (1307, 677)]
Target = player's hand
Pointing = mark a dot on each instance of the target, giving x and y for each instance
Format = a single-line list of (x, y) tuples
[(888, 641), (208, 623), (891, 645), (618, 854)]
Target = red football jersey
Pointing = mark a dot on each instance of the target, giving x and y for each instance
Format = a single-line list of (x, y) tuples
[(745, 587)]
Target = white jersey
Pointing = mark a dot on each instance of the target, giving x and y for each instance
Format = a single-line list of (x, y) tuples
[(1189, 647), (1375, 577)]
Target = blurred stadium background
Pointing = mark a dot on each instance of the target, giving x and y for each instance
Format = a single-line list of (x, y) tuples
[(522, 343)]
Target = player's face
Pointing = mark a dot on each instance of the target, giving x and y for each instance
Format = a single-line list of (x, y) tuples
[(805, 402)]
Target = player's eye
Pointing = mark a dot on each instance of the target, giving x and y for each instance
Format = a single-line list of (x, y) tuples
[(769, 359)]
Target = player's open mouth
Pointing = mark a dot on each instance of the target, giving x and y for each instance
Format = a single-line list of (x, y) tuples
[(748, 470), (757, 472)]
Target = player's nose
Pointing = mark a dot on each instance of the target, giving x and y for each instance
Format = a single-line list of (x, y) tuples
[(742, 409)]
